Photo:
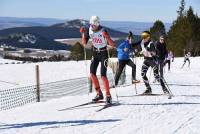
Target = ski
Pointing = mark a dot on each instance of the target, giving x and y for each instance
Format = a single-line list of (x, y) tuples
[(142, 95), (168, 95), (107, 106), (81, 105), (148, 94)]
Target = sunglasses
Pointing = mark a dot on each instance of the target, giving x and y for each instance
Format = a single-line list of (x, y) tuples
[(93, 26)]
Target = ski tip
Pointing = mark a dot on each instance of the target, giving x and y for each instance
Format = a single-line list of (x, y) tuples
[(107, 106)]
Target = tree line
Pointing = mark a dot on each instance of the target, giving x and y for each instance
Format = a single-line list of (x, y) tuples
[(184, 34)]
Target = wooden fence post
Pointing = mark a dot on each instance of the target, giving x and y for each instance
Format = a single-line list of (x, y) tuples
[(37, 82)]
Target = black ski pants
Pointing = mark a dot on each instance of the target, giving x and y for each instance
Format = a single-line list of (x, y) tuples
[(122, 64), (102, 57), (151, 63)]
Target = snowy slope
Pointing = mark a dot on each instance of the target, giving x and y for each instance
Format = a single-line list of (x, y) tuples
[(24, 74), (135, 115)]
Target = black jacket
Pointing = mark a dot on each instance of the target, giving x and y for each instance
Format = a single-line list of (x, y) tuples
[(161, 50), (148, 46)]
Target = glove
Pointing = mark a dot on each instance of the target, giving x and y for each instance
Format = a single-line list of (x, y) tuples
[(82, 30), (125, 49)]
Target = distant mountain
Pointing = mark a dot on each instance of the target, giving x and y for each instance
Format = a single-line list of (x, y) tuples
[(123, 26), (135, 27), (45, 35), (11, 22), (22, 40), (69, 29)]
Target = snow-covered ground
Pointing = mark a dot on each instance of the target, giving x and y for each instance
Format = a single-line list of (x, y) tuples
[(19, 75), (134, 115)]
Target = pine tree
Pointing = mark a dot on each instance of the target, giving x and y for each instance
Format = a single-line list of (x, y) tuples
[(184, 32), (157, 30), (77, 52), (179, 36), (181, 9)]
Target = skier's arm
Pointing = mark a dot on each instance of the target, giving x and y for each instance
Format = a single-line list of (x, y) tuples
[(166, 51), (108, 39), (84, 36), (157, 48), (136, 43), (120, 47), (152, 49)]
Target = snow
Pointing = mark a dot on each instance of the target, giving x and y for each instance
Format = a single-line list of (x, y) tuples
[(134, 115)]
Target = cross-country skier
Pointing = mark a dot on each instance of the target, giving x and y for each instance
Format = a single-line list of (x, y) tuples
[(123, 52), (150, 60), (100, 40), (162, 53), (169, 58), (187, 58)]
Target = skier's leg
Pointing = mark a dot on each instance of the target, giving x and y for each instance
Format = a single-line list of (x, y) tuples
[(161, 68), (144, 70), (93, 70), (188, 62), (155, 70), (183, 63), (104, 64), (119, 71), (169, 64), (131, 64), (156, 75)]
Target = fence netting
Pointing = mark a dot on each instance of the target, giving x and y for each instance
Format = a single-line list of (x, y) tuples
[(15, 97)]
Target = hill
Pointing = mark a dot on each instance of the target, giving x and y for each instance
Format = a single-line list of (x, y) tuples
[(11, 22), (47, 34)]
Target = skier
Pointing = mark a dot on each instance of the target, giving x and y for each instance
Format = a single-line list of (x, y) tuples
[(187, 58), (169, 58), (100, 40), (150, 60), (124, 50), (162, 53)]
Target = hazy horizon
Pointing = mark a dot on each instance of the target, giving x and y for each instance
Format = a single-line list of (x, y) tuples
[(107, 10)]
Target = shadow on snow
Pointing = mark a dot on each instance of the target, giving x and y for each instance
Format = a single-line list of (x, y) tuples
[(71, 123), (162, 104)]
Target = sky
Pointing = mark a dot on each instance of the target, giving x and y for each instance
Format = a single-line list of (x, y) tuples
[(115, 10)]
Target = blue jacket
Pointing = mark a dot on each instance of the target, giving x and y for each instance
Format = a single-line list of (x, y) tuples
[(120, 50)]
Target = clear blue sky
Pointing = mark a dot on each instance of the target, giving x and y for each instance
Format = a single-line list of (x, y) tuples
[(117, 10)]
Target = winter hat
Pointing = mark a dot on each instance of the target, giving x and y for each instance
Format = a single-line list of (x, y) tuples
[(145, 34), (130, 35), (94, 20)]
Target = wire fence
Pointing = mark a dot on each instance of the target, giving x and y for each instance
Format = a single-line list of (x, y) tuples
[(11, 98), (15, 97)]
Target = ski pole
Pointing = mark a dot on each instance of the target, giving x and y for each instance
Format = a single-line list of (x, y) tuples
[(113, 77), (167, 86), (85, 59), (83, 24), (135, 60)]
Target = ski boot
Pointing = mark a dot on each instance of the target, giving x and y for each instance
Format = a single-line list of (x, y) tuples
[(165, 91), (98, 97), (135, 81), (108, 100), (147, 91), (156, 80)]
